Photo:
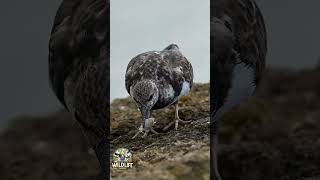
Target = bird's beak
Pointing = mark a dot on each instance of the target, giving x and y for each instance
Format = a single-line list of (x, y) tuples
[(102, 151), (145, 113)]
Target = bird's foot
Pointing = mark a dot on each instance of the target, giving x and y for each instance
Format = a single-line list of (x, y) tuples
[(145, 133), (148, 127), (176, 123)]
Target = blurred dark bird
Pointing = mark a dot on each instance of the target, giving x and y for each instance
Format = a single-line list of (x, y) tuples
[(238, 37), (79, 69), (157, 79)]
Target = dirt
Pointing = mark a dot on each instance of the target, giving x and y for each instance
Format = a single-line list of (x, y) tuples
[(174, 155)]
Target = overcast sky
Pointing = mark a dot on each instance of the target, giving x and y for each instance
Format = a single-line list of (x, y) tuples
[(292, 25), (24, 34), (293, 32)]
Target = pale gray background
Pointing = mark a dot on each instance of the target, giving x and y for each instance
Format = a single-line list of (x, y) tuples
[(24, 34), (293, 34)]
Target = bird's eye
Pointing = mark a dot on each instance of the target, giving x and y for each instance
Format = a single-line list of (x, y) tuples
[(150, 98)]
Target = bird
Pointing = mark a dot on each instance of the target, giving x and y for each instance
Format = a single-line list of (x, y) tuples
[(157, 79), (239, 48), (79, 69)]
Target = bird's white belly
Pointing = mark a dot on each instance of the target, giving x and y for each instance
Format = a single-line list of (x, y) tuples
[(242, 87), (185, 89)]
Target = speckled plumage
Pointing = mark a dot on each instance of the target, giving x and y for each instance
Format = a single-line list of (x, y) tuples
[(79, 68), (239, 46), (156, 79), (169, 69)]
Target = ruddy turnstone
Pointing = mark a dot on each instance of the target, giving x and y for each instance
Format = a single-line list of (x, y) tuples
[(157, 79)]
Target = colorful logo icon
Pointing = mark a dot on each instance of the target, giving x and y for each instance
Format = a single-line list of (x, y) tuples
[(122, 159)]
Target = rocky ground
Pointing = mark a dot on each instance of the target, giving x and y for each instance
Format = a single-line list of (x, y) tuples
[(182, 154), (273, 136)]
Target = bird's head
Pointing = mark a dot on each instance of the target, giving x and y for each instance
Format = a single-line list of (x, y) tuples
[(145, 94)]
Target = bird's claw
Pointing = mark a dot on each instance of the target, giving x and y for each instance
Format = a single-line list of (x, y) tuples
[(148, 127), (136, 134), (145, 134)]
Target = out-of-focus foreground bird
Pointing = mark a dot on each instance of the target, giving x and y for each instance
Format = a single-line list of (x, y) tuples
[(79, 69), (239, 48), (157, 79)]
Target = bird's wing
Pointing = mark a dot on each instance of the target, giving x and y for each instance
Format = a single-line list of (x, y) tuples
[(180, 70), (60, 57), (132, 74), (186, 69), (244, 19), (182, 74), (143, 66), (78, 32), (238, 36), (78, 62)]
